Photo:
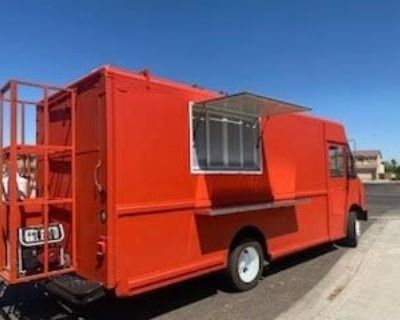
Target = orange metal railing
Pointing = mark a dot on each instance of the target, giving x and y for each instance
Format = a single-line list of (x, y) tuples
[(37, 147)]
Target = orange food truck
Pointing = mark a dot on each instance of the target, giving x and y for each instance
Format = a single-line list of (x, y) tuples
[(126, 182)]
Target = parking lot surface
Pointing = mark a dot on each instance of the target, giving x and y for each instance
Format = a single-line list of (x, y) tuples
[(284, 283)]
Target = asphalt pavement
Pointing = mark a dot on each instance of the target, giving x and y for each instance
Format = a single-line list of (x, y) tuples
[(364, 283), (284, 284)]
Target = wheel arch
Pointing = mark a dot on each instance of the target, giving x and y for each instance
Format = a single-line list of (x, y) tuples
[(361, 214), (250, 232)]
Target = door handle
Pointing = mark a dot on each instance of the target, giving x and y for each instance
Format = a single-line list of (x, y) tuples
[(96, 177)]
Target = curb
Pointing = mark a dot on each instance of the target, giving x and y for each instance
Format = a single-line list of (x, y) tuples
[(334, 286)]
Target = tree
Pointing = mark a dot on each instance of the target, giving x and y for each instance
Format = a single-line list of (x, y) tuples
[(390, 166), (393, 162)]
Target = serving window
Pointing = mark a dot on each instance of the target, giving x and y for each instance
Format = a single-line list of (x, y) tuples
[(224, 142), (225, 135)]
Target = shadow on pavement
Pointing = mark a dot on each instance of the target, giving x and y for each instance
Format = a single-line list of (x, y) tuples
[(299, 258), (28, 302)]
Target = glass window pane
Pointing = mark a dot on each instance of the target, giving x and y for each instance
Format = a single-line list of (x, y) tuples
[(332, 160), (199, 140), (257, 145), (234, 143), (250, 152), (336, 161), (224, 142), (216, 141)]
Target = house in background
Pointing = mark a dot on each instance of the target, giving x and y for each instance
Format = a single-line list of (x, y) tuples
[(369, 164)]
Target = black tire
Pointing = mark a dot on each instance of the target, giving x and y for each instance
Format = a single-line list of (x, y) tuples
[(351, 239), (233, 278)]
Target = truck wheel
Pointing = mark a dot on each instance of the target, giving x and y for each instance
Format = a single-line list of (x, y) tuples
[(353, 230), (245, 265)]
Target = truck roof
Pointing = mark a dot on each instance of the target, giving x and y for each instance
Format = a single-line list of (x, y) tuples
[(146, 74)]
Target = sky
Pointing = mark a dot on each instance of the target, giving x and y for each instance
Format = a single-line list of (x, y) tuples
[(341, 58)]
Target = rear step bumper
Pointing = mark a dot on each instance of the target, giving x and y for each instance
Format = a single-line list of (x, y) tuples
[(74, 290)]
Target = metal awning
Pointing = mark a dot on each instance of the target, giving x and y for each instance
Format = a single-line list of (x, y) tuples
[(249, 104)]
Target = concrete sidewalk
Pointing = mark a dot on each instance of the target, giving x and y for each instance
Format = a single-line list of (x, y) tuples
[(364, 283)]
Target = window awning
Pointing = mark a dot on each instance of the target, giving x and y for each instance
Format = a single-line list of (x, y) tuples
[(249, 104)]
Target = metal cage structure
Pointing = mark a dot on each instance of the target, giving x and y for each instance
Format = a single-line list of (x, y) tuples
[(37, 161)]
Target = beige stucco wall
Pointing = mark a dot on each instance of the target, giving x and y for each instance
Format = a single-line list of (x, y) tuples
[(370, 169)]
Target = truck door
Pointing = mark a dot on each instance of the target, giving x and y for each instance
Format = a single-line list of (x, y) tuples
[(337, 189), (91, 179)]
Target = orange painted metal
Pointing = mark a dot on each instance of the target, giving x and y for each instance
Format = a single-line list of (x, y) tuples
[(13, 215), (134, 195)]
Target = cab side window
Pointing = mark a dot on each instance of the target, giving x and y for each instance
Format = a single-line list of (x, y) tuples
[(351, 170), (337, 161)]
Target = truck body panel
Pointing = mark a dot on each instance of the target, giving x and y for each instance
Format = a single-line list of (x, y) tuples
[(145, 218)]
